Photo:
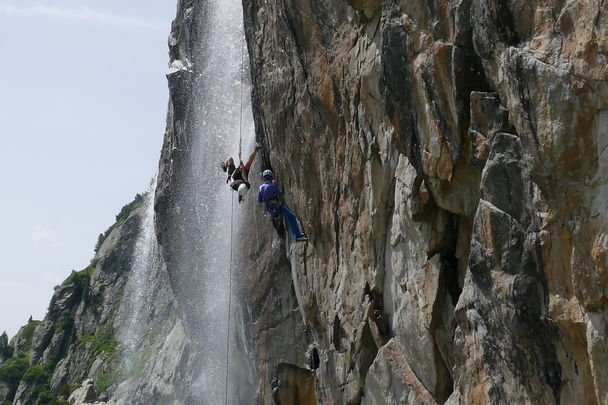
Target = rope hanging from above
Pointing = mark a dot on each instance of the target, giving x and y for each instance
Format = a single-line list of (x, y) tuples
[(232, 232), (241, 98)]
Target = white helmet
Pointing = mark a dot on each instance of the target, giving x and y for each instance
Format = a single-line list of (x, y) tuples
[(243, 190)]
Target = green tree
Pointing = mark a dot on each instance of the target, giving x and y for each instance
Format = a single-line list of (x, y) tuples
[(13, 369), (36, 375), (100, 240), (5, 350)]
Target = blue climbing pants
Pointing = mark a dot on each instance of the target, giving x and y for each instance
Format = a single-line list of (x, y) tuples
[(293, 222)]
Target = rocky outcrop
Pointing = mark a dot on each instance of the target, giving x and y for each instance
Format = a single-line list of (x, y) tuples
[(86, 393), (82, 337), (390, 380), (295, 386), (77, 331), (450, 172)]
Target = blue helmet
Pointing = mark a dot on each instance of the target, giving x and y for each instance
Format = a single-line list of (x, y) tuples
[(267, 175)]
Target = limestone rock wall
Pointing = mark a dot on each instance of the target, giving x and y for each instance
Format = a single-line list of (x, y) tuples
[(448, 162)]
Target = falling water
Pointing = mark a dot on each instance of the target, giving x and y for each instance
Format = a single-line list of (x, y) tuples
[(139, 290), (223, 114), (205, 248), (146, 265)]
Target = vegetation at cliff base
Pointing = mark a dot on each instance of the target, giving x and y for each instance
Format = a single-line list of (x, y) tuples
[(17, 370)]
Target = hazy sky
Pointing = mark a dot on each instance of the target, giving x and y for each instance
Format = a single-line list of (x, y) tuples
[(83, 98)]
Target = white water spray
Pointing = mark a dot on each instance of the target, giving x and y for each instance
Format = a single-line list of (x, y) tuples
[(220, 123), (144, 273), (203, 244)]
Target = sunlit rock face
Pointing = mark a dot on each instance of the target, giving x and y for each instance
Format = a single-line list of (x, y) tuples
[(449, 162)]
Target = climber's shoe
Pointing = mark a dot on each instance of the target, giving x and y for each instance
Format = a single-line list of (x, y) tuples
[(302, 238), (223, 166)]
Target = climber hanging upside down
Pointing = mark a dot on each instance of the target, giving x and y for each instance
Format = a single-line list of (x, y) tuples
[(238, 177)]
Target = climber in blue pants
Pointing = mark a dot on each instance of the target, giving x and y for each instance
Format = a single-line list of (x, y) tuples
[(271, 194)]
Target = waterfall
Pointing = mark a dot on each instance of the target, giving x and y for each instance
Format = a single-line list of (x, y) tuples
[(144, 273), (200, 227), (141, 290), (219, 97)]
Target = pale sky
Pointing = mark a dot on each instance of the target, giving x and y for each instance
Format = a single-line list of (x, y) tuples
[(83, 99)]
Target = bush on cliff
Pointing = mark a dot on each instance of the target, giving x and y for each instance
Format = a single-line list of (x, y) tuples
[(6, 351), (13, 369), (36, 375), (124, 213), (25, 339)]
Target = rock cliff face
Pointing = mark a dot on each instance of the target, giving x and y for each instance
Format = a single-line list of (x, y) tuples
[(448, 162), (85, 337), (111, 334)]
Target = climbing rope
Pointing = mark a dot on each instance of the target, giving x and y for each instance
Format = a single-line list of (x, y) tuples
[(241, 96), (229, 302), (255, 226), (232, 232)]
